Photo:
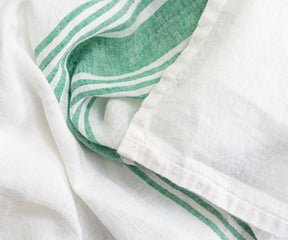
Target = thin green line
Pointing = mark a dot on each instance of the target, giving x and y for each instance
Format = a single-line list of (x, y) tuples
[(178, 201), (244, 226), (88, 129), (75, 118), (60, 86), (52, 74), (97, 92)]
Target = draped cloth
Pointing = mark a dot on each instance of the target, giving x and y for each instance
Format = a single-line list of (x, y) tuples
[(157, 119)]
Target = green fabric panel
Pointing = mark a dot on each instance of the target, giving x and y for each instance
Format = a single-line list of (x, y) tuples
[(164, 30)]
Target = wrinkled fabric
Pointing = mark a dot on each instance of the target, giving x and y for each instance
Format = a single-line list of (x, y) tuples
[(53, 186)]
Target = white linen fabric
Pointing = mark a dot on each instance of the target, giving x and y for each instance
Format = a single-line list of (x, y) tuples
[(54, 187), (217, 123)]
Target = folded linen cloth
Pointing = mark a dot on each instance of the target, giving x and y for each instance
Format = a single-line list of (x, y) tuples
[(53, 187)]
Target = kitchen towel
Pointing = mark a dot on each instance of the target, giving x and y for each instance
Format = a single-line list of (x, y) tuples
[(82, 69)]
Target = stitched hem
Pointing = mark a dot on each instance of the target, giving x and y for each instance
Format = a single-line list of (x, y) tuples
[(203, 187)]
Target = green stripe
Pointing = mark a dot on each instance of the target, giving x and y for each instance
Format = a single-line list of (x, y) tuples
[(143, 96), (75, 118), (88, 129), (62, 24), (244, 226), (205, 205), (178, 201), (60, 86), (52, 74), (98, 92)]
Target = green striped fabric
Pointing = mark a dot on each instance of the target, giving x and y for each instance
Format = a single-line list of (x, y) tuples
[(119, 49)]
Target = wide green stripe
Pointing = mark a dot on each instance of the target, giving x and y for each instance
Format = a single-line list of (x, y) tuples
[(62, 24), (73, 32), (163, 31), (178, 201), (88, 129), (98, 92), (244, 226), (149, 72), (205, 205), (142, 5)]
